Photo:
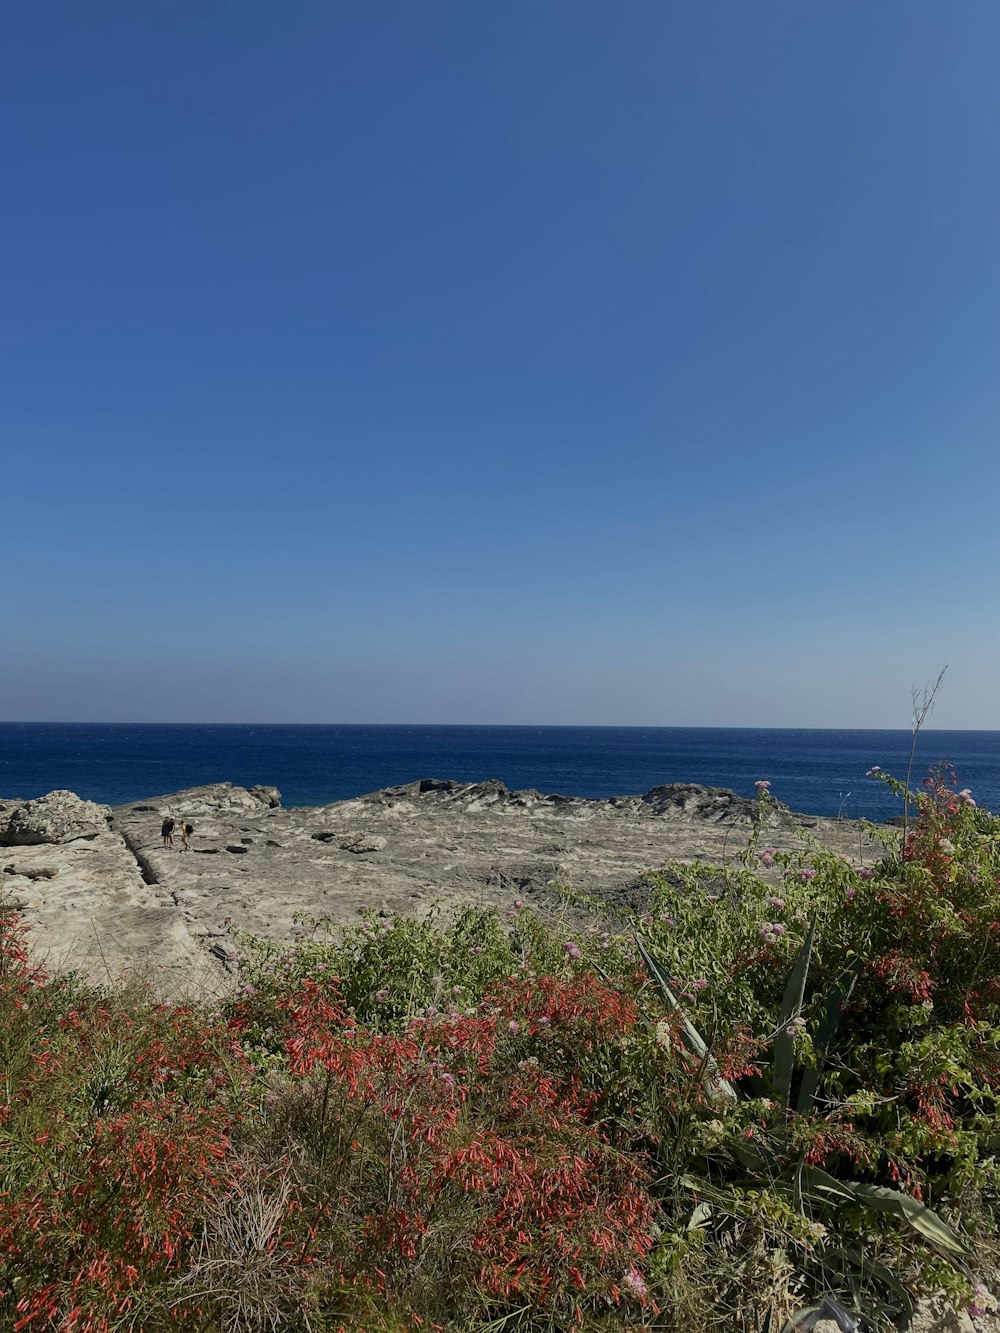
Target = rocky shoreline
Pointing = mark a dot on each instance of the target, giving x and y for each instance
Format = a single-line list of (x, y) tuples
[(102, 896)]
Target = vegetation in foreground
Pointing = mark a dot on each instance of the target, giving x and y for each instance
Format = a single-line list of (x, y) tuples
[(778, 1081)]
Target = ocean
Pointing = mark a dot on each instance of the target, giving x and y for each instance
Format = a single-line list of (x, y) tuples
[(815, 772)]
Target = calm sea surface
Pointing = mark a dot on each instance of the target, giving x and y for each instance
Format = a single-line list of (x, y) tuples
[(816, 772)]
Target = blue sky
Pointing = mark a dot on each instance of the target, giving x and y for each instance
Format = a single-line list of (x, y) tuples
[(534, 362)]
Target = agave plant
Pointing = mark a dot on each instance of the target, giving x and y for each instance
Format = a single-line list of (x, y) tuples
[(767, 1157)]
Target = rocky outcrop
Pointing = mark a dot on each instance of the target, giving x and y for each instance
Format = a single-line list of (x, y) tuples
[(269, 796), (933, 1314), (59, 817), (682, 800), (91, 911), (268, 870)]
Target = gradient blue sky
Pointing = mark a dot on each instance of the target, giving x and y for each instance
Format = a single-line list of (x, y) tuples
[(537, 362)]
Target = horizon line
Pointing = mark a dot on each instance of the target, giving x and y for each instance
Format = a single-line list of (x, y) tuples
[(509, 726)]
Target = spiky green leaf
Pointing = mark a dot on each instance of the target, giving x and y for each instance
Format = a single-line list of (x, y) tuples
[(783, 1059), (839, 994), (882, 1199), (693, 1039)]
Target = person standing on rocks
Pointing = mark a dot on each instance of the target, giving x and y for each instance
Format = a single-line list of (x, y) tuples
[(186, 831), (167, 832)]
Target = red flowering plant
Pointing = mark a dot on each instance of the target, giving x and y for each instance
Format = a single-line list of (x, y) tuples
[(114, 1130), (461, 1176)]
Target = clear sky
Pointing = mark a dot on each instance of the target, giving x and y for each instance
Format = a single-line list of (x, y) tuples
[(544, 361)]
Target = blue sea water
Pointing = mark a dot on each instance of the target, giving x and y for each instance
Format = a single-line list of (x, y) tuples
[(815, 772)]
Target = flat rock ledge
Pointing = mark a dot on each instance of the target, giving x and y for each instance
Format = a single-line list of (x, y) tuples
[(105, 897)]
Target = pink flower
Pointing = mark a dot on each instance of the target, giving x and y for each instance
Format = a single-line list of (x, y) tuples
[(476, 948), (513, 1027), (965, 796), (866, 872), (518, 904), (382, 995), (634, 1283), (850, 895), (700, 984), (778, 904), (572, 949), (767, 857), (762, 786), (771, 931), (873, 772), (806, 875)]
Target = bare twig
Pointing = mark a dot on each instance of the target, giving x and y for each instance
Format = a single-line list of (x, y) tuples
[(923, 704)]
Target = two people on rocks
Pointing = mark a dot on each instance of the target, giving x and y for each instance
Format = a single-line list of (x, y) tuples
[(167, 832)]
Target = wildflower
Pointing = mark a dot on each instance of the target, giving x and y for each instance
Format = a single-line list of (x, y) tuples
[(817, 1230), (771, 931), (874, 771), (965, 796), (762, 786), (448, 1080), (249, 990), (634, 1283), (700, 984), (806, 875), (767, 857), (381, 995), (662, 1034), (518, 904), (572, 949), (456, 990), (983, 1302), (947, 846), (866, 872), (778, 904), (851, 893), (513, 1027), (476, 948), (667, 919)]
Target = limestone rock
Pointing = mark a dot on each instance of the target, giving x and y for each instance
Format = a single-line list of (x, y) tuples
[(693, 801), (934, 1315), (122, 898), (89, 910), (58, 817), (269, 796), (362, 842)]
